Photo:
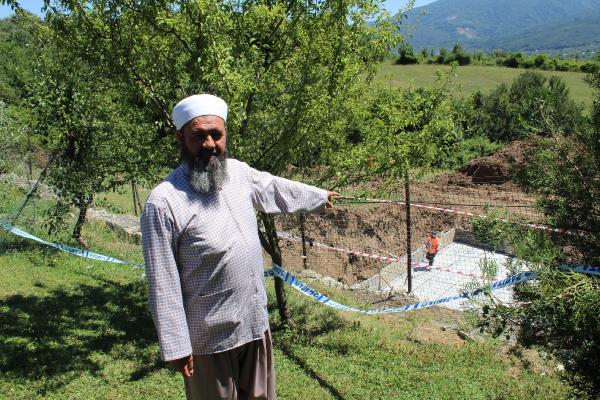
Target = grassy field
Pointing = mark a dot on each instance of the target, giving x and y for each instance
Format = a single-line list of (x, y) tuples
[(472, 78), (73, 328)]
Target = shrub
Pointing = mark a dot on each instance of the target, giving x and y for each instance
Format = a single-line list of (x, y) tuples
[(442, 56), (527, 63), (540, 61), (589, 67), (515, 112), (513, 61), (459, 55), (407, 55)]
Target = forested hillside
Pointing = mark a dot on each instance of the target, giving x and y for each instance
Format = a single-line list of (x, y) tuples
[(580, 33), (489, 24)]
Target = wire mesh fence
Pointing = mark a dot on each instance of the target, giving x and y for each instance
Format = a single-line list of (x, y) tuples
[(366, 244)]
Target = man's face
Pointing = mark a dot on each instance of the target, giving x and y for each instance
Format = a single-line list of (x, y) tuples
[(203, 135), (203, 148)]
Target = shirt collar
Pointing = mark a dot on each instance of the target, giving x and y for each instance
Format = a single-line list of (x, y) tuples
[(184, 167)]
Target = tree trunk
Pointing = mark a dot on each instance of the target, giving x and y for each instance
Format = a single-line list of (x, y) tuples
[(137, 198), (270, 243), (83, 203), (135, 209)]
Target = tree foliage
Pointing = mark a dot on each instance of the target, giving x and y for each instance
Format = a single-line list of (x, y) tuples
[(407, 55), (294, 74), (559, 310), (397, 131), (289, 70), (96, 140), (518, 111)]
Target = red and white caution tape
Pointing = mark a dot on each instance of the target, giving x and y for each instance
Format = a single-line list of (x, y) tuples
[(459, 212), (290, 237)]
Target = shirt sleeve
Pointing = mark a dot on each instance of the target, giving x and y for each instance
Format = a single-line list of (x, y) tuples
[(164, 287), (272, 194)]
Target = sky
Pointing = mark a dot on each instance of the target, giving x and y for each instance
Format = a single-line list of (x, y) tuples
[(35, 6)]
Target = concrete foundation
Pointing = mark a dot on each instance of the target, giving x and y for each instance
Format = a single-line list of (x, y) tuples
[(457, 267)]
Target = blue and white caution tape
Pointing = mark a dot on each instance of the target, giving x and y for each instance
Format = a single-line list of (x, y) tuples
[(79, 252), (68, 249), (321, 298), (269, 273), (310, 292), (581, 269)]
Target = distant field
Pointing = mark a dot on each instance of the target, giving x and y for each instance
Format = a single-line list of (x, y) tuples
[(472, 78)]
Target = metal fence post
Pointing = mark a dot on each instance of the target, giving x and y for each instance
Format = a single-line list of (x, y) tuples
[(408, 235), (303, 234)]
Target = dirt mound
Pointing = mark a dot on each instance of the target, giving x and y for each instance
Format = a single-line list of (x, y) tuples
[(496, 168)]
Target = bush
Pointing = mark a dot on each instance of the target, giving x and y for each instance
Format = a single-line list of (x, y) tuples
[(559, 311), (513, 61), (527, 63), (407, 55), (590, 67), (515, 112), (470, 149), (442, 56), (459, 55), (540, 61)]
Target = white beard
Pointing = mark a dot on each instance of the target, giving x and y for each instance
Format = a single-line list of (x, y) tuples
[(209, 177)]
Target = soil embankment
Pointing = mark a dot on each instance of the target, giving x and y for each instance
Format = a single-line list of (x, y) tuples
[(441, 204)]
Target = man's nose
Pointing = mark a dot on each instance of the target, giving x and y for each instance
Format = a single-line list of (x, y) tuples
[(208, 142)]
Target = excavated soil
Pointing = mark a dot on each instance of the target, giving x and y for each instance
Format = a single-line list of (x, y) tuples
[(479, 187), (497, 167)]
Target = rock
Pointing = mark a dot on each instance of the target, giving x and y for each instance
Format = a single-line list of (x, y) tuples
[(43, 191), (329, 281), (126, 226), (465, 336), (309, 273)]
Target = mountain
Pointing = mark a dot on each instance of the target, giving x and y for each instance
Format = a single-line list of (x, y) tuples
[(580, 33), (508, 24)]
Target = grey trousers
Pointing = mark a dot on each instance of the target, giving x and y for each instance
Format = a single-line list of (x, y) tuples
[(244, 373)]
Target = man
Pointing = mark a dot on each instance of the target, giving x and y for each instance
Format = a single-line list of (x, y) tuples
[(204, 262), (431, 247)]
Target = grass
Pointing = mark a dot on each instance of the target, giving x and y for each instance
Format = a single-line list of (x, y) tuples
[(472, 78), (77, 328), (120, 201)]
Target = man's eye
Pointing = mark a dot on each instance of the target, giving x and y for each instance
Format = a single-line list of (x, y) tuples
[(202, 136)]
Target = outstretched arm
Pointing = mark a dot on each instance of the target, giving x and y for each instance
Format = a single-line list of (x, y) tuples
[(275, 195)]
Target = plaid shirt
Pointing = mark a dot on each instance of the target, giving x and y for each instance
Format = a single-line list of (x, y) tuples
[(204, 263)]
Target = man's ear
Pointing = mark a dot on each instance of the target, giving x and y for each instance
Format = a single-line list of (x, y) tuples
[(179, 135)]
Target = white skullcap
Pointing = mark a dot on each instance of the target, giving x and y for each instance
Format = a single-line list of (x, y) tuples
[(196, 106)]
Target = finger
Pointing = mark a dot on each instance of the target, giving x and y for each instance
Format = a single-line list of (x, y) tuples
[(182, 369), (190, 365)]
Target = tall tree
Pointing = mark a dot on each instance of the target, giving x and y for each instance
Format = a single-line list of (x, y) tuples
[(96, 138), (296, 76)]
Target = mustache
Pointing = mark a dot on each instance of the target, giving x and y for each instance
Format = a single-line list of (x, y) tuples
[(207, 153)]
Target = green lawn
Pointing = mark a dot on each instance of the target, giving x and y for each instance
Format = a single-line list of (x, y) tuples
[(472, 78), (73, 328)]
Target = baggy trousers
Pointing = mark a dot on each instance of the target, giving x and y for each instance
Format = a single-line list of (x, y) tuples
[(243, 373)]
